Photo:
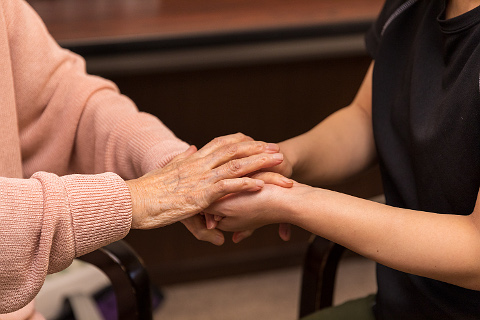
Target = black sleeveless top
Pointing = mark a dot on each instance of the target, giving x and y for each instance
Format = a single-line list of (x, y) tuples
[(426, 121)]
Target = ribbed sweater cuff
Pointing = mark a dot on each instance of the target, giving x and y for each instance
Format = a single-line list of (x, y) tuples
[(100, 207)]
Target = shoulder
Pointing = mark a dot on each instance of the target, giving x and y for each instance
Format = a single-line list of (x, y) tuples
[(391, 10)]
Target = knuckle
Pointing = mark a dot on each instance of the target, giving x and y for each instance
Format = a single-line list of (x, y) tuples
[(259, 146), (221, 186), (262, 160), (243, 136), (234, 166), (190, 199), (231, 150), (219, 141), (239, 135)]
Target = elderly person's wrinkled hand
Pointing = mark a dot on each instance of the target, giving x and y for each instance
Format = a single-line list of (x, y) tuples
[(195, 179)]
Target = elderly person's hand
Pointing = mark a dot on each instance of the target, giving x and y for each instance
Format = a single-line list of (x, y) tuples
[(277, 175), (195, 179)]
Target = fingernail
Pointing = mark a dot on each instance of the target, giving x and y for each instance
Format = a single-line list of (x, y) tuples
[(259, 183), (210, 225), (278, 156), (287, 181), (287, 234), (272, 147)]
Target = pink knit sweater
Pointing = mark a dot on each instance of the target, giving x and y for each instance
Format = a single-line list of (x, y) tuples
[(56, 121)]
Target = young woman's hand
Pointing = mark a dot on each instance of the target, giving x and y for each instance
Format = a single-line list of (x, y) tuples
[(249, 211), (269, 178)]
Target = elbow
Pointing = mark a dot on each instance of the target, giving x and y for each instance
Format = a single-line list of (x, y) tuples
[(18, 304), (470, 281), (467, 273)]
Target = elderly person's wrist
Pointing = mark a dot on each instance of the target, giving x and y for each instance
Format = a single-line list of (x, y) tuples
[(136, 201)]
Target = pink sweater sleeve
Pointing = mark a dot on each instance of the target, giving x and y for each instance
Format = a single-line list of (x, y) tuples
[(47, 221), (71, 122), (68, 122)]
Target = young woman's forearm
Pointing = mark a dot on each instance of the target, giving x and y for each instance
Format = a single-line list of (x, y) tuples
[(339, 147), (440, 246), (336, 149)]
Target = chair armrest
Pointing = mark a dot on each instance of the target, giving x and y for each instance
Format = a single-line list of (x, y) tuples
[(319, 271), (128, 276)]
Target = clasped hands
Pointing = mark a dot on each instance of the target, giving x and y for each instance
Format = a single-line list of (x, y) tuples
[(192, 182)]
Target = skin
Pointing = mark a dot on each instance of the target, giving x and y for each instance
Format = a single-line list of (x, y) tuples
[(458, 7), (209, 222), (196, 178), (439, 246)]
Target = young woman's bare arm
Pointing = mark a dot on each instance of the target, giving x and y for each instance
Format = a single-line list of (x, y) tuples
[(444, 247), (337, 148)]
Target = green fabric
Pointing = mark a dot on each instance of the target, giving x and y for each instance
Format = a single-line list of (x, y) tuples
[(359, 309)]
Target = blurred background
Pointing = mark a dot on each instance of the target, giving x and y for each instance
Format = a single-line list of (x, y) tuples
[(271, 69)]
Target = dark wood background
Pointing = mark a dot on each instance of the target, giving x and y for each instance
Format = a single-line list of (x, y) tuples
[(83, 20), (269, 101)]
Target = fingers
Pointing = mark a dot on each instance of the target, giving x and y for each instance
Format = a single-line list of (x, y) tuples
[(228, 186), (285, 168), (223, 141), (240, 235), (238, 151), (226, 148), (245, 166), (210, 221), (196, 225), (285, 231), (274, 178)]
